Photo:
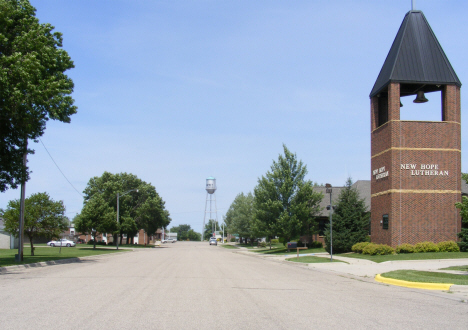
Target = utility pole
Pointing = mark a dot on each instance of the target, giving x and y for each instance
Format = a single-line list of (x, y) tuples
[(19, 256)]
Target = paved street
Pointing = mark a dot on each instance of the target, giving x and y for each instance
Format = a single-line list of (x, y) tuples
[(196, 286)]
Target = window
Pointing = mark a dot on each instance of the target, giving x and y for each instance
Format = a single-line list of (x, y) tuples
[(322, 224), (385, 221)]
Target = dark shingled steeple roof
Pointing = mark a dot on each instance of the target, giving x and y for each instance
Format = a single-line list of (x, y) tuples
[(416, 57)]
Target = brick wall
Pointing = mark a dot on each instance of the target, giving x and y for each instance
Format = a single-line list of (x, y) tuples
[(420, 207)]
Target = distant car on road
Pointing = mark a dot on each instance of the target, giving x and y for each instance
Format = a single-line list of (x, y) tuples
[(61, 242), (213, 241), (168, 240)]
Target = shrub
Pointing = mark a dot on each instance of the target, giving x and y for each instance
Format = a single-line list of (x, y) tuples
[(358, 247), (448, 246), (262, 244), (274, 241), (90, 242), (233, 239), (316, 245), (378, 249), (405, 248), (425, 247)]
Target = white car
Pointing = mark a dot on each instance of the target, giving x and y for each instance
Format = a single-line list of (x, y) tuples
[(168, 240), (61, 242), (213, 241)]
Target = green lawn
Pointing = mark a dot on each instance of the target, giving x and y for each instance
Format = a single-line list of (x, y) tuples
[(462, 268), (226, 246), (7, 256), (408, 256), (284, 251), (427, 277), (312, 260)]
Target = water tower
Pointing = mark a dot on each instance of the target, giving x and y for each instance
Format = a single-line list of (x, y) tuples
[(211, 197)]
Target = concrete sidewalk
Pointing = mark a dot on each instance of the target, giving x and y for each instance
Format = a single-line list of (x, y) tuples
[(367, 269)]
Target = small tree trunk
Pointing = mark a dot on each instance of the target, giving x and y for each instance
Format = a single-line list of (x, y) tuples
[(32, 246), (269, 240)]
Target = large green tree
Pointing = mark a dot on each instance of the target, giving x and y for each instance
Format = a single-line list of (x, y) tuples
[(33, 86), (350, 221), (182, 231), (42, 217), (285, 202), (140, 206), (96, 218), (240, 217), (193, 235)]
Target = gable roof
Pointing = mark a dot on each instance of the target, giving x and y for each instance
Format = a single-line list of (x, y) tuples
[(415, 57)]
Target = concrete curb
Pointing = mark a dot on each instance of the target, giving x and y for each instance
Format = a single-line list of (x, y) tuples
[(414, 285), (5, 269)]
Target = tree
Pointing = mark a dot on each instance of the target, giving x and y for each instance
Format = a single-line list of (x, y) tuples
[(240, 217), (209, 226), (43, 217), (33, 86), (350, 221), (285, 202), (182, 231), (193, 235), (96, 218), (140, 206), (463, 206)]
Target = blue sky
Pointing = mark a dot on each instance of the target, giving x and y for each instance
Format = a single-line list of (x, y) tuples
[(177, 91)]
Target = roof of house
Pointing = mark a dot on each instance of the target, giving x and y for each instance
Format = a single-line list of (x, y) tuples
[(362, 186), (415, 57)]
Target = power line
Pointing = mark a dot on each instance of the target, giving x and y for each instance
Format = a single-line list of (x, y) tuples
[(60, 169)]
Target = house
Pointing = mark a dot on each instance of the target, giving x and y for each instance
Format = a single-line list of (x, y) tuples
[(7, 241)]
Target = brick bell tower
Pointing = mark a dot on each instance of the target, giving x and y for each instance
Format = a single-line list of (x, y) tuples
[(416, 165)]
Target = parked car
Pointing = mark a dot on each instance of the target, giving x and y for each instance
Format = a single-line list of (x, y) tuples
[(61, 242), (80, 241), (213, 241)]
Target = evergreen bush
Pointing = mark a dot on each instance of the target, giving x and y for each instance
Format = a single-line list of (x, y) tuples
[(316, 245), (405, 248), (448, 246), (425, 247), (350, 221)]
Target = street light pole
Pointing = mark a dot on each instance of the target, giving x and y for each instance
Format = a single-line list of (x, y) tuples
[(118, 196), (117, 240), (329, 191)]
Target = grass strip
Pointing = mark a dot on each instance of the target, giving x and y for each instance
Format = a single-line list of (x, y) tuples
[(461, 268), (7, 256), (426, 277), (312, 260), (284, 251), (408, 256), (226, 246)]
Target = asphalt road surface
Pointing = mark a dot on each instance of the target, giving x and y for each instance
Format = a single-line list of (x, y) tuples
[(190, 285)]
